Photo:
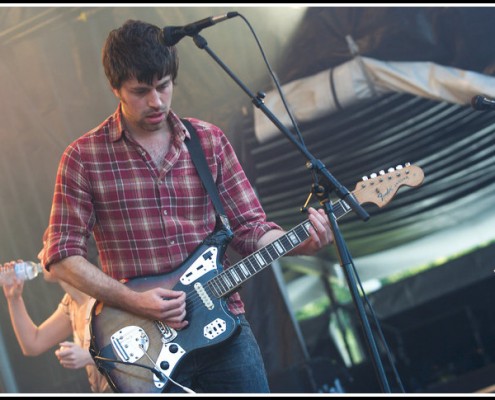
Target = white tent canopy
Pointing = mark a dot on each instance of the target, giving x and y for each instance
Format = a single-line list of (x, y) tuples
[(362, 78)]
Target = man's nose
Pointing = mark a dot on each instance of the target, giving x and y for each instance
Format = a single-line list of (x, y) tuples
[(154, 99)]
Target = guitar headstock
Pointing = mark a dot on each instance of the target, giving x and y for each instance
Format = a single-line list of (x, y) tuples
[(381, 188)]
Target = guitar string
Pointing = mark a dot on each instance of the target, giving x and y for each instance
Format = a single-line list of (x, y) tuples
[(193, 298), (251, 261), (217, 281), (340, 209)]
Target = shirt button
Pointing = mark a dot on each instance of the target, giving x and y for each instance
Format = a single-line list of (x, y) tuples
[(172, 242), (165, 212)]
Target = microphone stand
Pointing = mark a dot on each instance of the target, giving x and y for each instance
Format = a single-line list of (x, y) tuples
[(328, 183)]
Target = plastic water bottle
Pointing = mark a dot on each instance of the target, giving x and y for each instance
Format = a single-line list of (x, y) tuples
[(25, 271)]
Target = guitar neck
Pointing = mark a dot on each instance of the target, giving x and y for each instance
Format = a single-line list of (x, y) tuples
[(232, 278)]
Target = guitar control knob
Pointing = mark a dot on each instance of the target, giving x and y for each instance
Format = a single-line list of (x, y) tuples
[(164, 365), (173, 348)]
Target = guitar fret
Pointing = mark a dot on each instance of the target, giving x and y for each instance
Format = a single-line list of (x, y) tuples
[(260, 259), (278, 247), (228, 279), (228, 283), (269, 254), (225, 283), (235, 275), (249, 263), (243, 268), (293, 238), (217, 286), (341, 208)]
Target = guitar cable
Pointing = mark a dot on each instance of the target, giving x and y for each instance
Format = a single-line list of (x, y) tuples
[(160, 375)]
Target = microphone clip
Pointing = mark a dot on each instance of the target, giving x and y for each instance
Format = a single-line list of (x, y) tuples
[(173, 34), (482, 103)]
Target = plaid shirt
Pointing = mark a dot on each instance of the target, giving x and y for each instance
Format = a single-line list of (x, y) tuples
[(147, 220)]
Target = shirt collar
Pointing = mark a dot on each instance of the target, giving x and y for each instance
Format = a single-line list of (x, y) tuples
[(116, 127)]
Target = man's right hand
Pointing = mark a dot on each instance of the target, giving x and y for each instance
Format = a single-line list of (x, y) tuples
[(165, 305)]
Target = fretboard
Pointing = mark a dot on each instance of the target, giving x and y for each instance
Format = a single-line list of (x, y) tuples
[(232, 278)]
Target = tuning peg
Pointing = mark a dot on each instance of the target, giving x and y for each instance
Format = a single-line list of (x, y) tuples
[(373, 175), (382, 172), (364, 178), (391, 169), (398, 167)]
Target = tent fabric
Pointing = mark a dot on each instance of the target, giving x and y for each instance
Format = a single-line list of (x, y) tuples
[(454, 146), (334, 89)]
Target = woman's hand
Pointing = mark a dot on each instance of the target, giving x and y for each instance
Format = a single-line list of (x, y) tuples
[(12, 290), (73, 356)]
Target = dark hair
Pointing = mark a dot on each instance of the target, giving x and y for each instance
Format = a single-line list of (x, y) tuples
[(137, 50)]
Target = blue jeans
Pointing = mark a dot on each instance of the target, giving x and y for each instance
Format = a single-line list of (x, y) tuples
[(235, 366)]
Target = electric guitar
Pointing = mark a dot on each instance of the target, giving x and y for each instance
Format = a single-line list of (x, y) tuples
[(138, 355)]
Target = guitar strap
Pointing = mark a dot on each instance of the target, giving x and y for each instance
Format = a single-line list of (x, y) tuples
[(199, 160)]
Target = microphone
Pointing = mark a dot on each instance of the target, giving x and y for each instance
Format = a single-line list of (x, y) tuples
[(172, 34), (482, 103)]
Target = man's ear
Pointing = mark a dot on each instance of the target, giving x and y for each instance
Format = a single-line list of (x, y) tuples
[(116, 93)]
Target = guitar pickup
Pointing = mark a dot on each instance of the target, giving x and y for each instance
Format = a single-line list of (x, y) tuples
[(214, 328)]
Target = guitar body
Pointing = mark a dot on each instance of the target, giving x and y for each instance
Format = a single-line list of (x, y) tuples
[(138, 355), (119, 335)]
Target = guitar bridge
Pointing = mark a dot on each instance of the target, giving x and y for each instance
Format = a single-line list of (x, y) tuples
[(130, 343)]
